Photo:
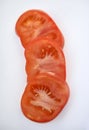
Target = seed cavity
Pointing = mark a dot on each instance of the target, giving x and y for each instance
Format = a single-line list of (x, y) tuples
[(44, 99), (49, 93)]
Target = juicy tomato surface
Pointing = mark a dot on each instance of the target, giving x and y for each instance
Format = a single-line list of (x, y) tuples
[(44, 56), (44, 98), (36, 23)]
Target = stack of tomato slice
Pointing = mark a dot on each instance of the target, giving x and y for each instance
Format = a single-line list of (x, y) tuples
[(46, 92)]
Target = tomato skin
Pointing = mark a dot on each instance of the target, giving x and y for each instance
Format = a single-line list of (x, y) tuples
[(59, 90), (47, 29), (36, 61)]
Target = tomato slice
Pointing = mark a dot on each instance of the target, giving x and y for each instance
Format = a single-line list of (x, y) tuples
[(44, 56), (36, 23), (44, 98)]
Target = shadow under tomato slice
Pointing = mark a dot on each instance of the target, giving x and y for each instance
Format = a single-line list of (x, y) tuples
[(45, 56), (44, 98), (36, 23)]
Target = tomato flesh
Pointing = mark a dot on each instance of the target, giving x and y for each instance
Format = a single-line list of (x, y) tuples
[(36, 23), (44, 56), (46, 92), (44, 97)]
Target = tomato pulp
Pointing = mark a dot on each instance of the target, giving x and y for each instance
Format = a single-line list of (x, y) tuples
[(46, 92)]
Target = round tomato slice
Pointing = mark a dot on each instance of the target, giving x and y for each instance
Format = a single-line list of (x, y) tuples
[(36, 23), (44, 98), (44, 56)]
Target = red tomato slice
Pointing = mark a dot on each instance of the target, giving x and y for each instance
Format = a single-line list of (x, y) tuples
[(36, 23), (44, 56), (44, 98)]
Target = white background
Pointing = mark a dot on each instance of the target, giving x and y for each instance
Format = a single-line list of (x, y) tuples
[(72, 17)]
